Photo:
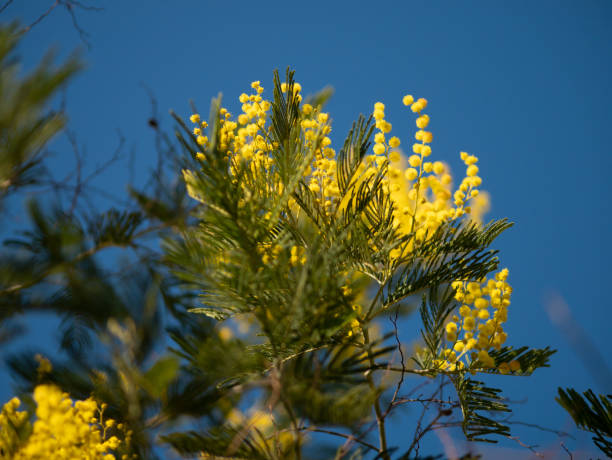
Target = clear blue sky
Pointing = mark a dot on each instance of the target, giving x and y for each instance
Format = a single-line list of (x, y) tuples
[(523, 85)]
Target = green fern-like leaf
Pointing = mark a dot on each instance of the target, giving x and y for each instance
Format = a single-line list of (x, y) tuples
[(591, 413), (475, 398), (454, 251), (529, 359), (218, 442)]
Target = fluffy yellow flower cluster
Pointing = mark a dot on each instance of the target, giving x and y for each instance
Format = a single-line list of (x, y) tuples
[(483, 311), (322, 171), (422, 194), (420, 189), (14, 426), (62, 430)]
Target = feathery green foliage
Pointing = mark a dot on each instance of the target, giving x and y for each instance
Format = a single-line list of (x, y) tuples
[(26, 124), (591, 413)]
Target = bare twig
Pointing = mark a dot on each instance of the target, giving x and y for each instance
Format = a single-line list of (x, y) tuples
[(401, 352), (342, 435), (6, 4), (426, 402), (418, 435), (526, 446), (568, 451), (71, 6), (541, 428), (450, 403), (380, 420), (80, 182), (41, 17)]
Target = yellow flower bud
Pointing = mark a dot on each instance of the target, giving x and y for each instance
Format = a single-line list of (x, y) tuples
[(394, 156), (414, 160), (438, 167), (472, 170), (422, 121), (411, 174), (469, 323)]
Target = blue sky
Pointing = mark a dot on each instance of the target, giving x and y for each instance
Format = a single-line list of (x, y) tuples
[(523, 85)]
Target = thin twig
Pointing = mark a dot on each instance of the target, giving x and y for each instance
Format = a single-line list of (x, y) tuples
[(41, 17), (422, 400), (526, 446), (82, 34), (380, 421), (5, 5), (568, 451), (70, 6), (419, 434), (541, 428), (342, 435), (399, 348)]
